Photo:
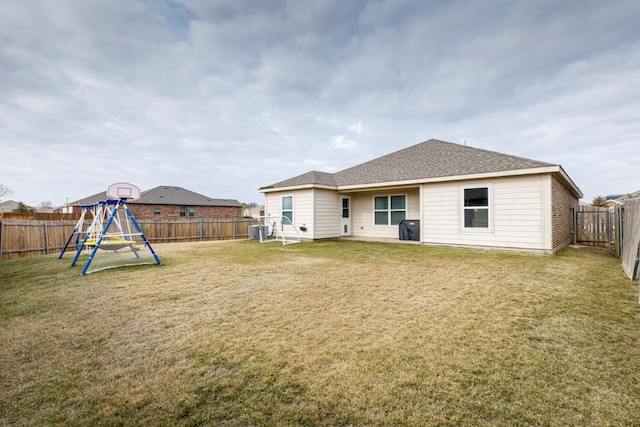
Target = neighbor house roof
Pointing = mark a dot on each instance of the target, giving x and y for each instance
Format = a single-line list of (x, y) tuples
[(620, 198), (166, 195), (8, 206), (428, 161)]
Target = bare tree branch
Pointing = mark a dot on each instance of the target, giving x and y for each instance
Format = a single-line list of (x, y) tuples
[(4, 190)]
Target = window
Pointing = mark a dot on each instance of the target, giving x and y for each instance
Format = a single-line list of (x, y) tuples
[(345, 207), (287, 208), (389, 210), (156, 211), (476, 207), (191, 211)]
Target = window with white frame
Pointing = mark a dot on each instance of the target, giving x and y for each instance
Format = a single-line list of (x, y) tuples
[(476, 207), (287, 208), (389, 210)]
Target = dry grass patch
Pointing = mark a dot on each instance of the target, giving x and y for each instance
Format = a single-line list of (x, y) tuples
[(332, 333)]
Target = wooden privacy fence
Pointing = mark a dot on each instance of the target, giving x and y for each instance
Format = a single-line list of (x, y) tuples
[(40, 216), (25, 238), (596, 226), (631, 240)]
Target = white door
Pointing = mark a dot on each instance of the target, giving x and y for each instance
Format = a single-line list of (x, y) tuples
[(345, 216)]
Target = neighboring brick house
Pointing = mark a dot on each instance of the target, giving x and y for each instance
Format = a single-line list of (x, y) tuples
[(167, 202)]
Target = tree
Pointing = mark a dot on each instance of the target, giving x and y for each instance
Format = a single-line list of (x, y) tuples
[(22, 208), (599, 201), (4, 190)]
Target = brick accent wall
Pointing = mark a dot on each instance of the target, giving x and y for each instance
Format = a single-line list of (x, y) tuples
[(562, 200), (172, 212)]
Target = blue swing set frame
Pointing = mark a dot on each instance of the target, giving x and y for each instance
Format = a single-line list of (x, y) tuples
[(115, 205)]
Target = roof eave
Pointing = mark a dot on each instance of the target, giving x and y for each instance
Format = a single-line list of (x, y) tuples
[(296, 187), (569, 183)]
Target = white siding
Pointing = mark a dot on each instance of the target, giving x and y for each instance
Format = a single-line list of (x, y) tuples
[(327, 214), (520, 212), (315, 209), (518, 208), (303, 212), (272, 204), (362, 213)]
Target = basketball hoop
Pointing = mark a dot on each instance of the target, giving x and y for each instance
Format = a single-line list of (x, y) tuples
[(123, 190)]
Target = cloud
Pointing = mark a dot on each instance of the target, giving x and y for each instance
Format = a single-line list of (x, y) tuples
[(225, 97)]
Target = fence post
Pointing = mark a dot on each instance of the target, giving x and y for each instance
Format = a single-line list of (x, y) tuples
[(46, 239), (1, 227), (619, 232)]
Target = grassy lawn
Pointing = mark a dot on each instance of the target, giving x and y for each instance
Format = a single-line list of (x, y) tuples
[(330, 333)]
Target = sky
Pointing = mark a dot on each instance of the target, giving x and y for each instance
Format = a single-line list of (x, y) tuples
[(224, 97)]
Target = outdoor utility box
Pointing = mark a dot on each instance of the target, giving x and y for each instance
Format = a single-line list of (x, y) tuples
[(410, 229), (254, 232)]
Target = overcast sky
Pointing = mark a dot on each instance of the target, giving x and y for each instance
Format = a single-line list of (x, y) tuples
[(224, 97)]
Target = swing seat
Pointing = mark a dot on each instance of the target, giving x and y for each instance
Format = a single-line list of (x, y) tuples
[(113, 243)]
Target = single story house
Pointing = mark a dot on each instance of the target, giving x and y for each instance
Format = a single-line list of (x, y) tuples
[(619, 199), (453, 194), (254, 212), (8, 206), (170, 203)]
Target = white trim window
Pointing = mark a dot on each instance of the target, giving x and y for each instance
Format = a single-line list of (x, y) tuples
[(287, 208), (389, 210), (476, 212)]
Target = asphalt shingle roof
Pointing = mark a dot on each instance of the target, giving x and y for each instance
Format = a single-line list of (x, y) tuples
[(166, 195), (429, 159), (313, 177)]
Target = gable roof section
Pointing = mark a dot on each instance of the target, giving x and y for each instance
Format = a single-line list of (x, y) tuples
[(307, 179), (429, 160), (165, 195), (433, 159)]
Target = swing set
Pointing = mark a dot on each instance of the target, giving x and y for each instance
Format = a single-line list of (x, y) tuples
[(113, 238)]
